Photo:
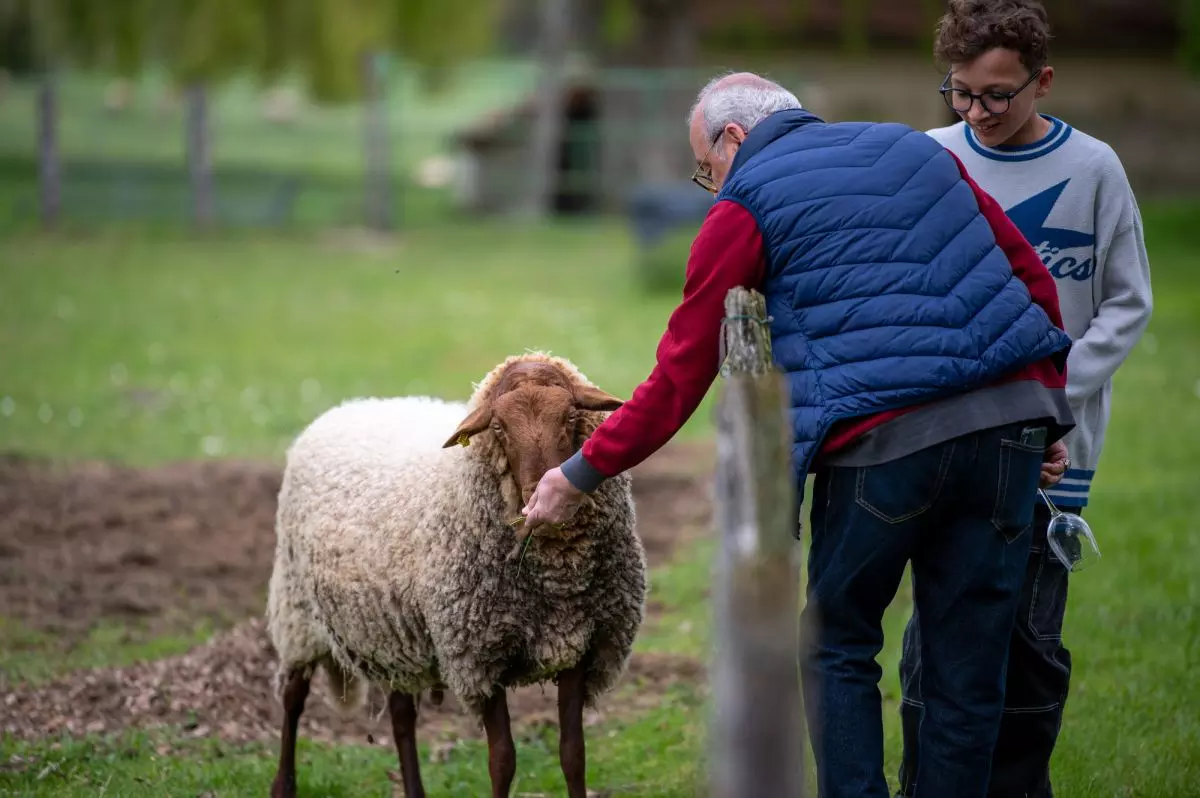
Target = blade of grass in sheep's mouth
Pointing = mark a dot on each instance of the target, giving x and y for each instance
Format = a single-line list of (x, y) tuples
[(524, 549), (524, 546)]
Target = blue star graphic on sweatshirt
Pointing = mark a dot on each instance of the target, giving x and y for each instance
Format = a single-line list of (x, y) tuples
[(1030, 218)]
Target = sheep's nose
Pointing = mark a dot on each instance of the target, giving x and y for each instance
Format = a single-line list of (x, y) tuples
[(527, 492)]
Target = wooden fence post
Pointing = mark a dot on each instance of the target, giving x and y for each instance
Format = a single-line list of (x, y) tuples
[(556, 24), (49, 156), (377, 176), (757, 735), (198, 140)]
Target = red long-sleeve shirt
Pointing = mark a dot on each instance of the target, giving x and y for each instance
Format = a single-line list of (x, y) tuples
[(728, 252)]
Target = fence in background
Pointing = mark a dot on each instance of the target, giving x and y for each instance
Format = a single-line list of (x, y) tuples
[(277, 161)]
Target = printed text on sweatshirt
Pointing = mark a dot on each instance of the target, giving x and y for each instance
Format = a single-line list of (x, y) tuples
[(1069, 195)]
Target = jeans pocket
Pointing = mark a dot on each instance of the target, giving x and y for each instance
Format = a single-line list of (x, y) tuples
[(1048, 602), (903, 489), (1018, 473)]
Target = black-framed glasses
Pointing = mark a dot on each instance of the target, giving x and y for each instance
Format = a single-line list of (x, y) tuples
[(994, 102), (703, 174)]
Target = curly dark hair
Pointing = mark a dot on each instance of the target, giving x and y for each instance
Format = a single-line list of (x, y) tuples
[(970, 28)]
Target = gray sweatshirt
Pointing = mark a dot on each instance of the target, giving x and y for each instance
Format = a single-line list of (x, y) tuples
[(1069, 196)]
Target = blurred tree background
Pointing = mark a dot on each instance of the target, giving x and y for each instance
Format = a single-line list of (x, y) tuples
[(332, 44), (351, 55)]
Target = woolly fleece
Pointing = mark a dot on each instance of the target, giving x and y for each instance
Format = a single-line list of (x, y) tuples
[(393, 560)]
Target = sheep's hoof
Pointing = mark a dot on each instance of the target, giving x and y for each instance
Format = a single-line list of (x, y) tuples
[(283, 787)]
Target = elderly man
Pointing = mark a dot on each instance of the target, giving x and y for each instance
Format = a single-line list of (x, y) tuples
[(923, 344)]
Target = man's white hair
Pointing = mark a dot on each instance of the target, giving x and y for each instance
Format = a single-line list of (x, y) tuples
[(742, 98)]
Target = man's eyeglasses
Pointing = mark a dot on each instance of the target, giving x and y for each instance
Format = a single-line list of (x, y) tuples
[(994, 102), (703, 174)]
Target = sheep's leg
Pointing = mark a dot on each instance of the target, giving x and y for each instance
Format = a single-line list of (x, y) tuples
[(404, 729), (502, 754), (294, 695), (571, 694)]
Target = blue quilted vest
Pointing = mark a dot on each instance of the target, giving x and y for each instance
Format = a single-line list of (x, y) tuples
[(884, 281)]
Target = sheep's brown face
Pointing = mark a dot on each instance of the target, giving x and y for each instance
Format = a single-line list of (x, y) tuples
[(534, 413), (538, 429)]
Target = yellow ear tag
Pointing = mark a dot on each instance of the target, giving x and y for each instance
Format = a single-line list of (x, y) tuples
[(464, 440)]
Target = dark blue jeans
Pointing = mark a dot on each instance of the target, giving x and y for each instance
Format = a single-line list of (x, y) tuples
[(960, 513), (1039, 675)]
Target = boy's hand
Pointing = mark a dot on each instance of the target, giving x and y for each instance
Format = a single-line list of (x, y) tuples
[(1055, 464)]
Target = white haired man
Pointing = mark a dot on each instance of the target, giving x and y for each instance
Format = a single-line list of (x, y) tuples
[(922, 341)]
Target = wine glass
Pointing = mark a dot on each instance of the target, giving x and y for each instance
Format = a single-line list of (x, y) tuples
[(1070, 538)]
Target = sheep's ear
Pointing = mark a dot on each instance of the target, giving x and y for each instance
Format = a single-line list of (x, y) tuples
[(588, 397), (473, 424)]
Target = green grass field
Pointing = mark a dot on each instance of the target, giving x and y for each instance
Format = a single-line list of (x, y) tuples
[(150, 348), (232, 343)]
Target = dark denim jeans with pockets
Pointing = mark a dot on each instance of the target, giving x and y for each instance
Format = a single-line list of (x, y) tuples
[(1039, 674), (960, 512)]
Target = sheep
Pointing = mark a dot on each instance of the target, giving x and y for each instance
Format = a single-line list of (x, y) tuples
[(397, 563)]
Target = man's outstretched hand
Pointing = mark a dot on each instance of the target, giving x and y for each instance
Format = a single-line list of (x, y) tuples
[(554, 502), (1055, 464)]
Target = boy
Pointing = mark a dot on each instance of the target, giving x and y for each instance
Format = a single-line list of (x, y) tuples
[(1068, 194)]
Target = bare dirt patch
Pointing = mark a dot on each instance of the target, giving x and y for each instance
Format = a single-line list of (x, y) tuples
[(223, 689), (672, 493), (161, 549), (167, 547)]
